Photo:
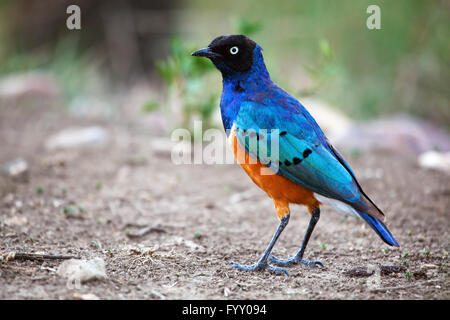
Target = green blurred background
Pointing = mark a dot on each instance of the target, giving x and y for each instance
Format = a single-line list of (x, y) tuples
[(314, 48)]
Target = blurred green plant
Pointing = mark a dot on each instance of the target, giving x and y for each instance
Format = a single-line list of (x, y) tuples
[(186, 92), (246, 26), (150, 106), (322, 69), (75, 69)]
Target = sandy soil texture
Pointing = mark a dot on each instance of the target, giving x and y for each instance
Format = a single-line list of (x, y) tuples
[(169, 232)]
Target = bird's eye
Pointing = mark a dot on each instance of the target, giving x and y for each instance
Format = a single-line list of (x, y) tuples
[(234, 50)]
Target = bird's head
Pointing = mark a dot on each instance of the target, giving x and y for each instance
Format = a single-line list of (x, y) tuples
[(232, 53)]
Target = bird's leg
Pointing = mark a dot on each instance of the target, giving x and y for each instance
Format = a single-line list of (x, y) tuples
[(298, 258), (262, 262)]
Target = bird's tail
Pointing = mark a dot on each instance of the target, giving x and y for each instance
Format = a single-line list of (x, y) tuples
[(380, 229)]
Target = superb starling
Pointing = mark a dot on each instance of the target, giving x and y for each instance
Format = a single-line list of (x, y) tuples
[(308, 169)]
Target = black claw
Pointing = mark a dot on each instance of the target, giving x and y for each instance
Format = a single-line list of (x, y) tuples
[(312, 263)]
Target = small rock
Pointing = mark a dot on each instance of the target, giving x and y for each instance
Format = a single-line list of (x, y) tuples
[(193, 246), (8, 199), (140, 250), (17, 170), (77, 137), (83, 270), (400, 133), (435, 160), (144, 231), (16, 221), (87, 296), (56, 203)]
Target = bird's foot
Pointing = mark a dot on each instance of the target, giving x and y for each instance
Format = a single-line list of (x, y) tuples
[(259, 266), (294, 260)]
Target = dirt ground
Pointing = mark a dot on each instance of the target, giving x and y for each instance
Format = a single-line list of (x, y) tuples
[(202, 217)]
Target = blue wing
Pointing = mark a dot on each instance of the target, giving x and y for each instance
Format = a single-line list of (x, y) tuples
[(305, 155)]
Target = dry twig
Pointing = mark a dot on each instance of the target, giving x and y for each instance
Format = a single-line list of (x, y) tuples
[(36, 256)]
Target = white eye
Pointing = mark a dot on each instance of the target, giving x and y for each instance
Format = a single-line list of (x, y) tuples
[(234, 50)]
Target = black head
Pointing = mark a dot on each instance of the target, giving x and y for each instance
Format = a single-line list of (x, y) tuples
[(233, 51)]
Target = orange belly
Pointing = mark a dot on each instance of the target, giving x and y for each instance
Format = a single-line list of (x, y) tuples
[(281, 190)]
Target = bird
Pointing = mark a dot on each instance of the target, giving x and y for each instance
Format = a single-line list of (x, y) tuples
[(305, 170)]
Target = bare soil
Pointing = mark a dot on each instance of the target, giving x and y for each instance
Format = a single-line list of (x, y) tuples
[(202, 217)]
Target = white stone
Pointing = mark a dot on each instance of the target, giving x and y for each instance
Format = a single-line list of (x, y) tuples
[(77, 137), (435, 160), (81, 271)]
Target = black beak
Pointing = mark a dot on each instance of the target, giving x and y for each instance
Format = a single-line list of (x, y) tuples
[(205, 52)]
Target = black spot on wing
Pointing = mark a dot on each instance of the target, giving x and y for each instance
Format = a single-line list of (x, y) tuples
[(306, 153), (296, 160), (282, 133), (287, 162)]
